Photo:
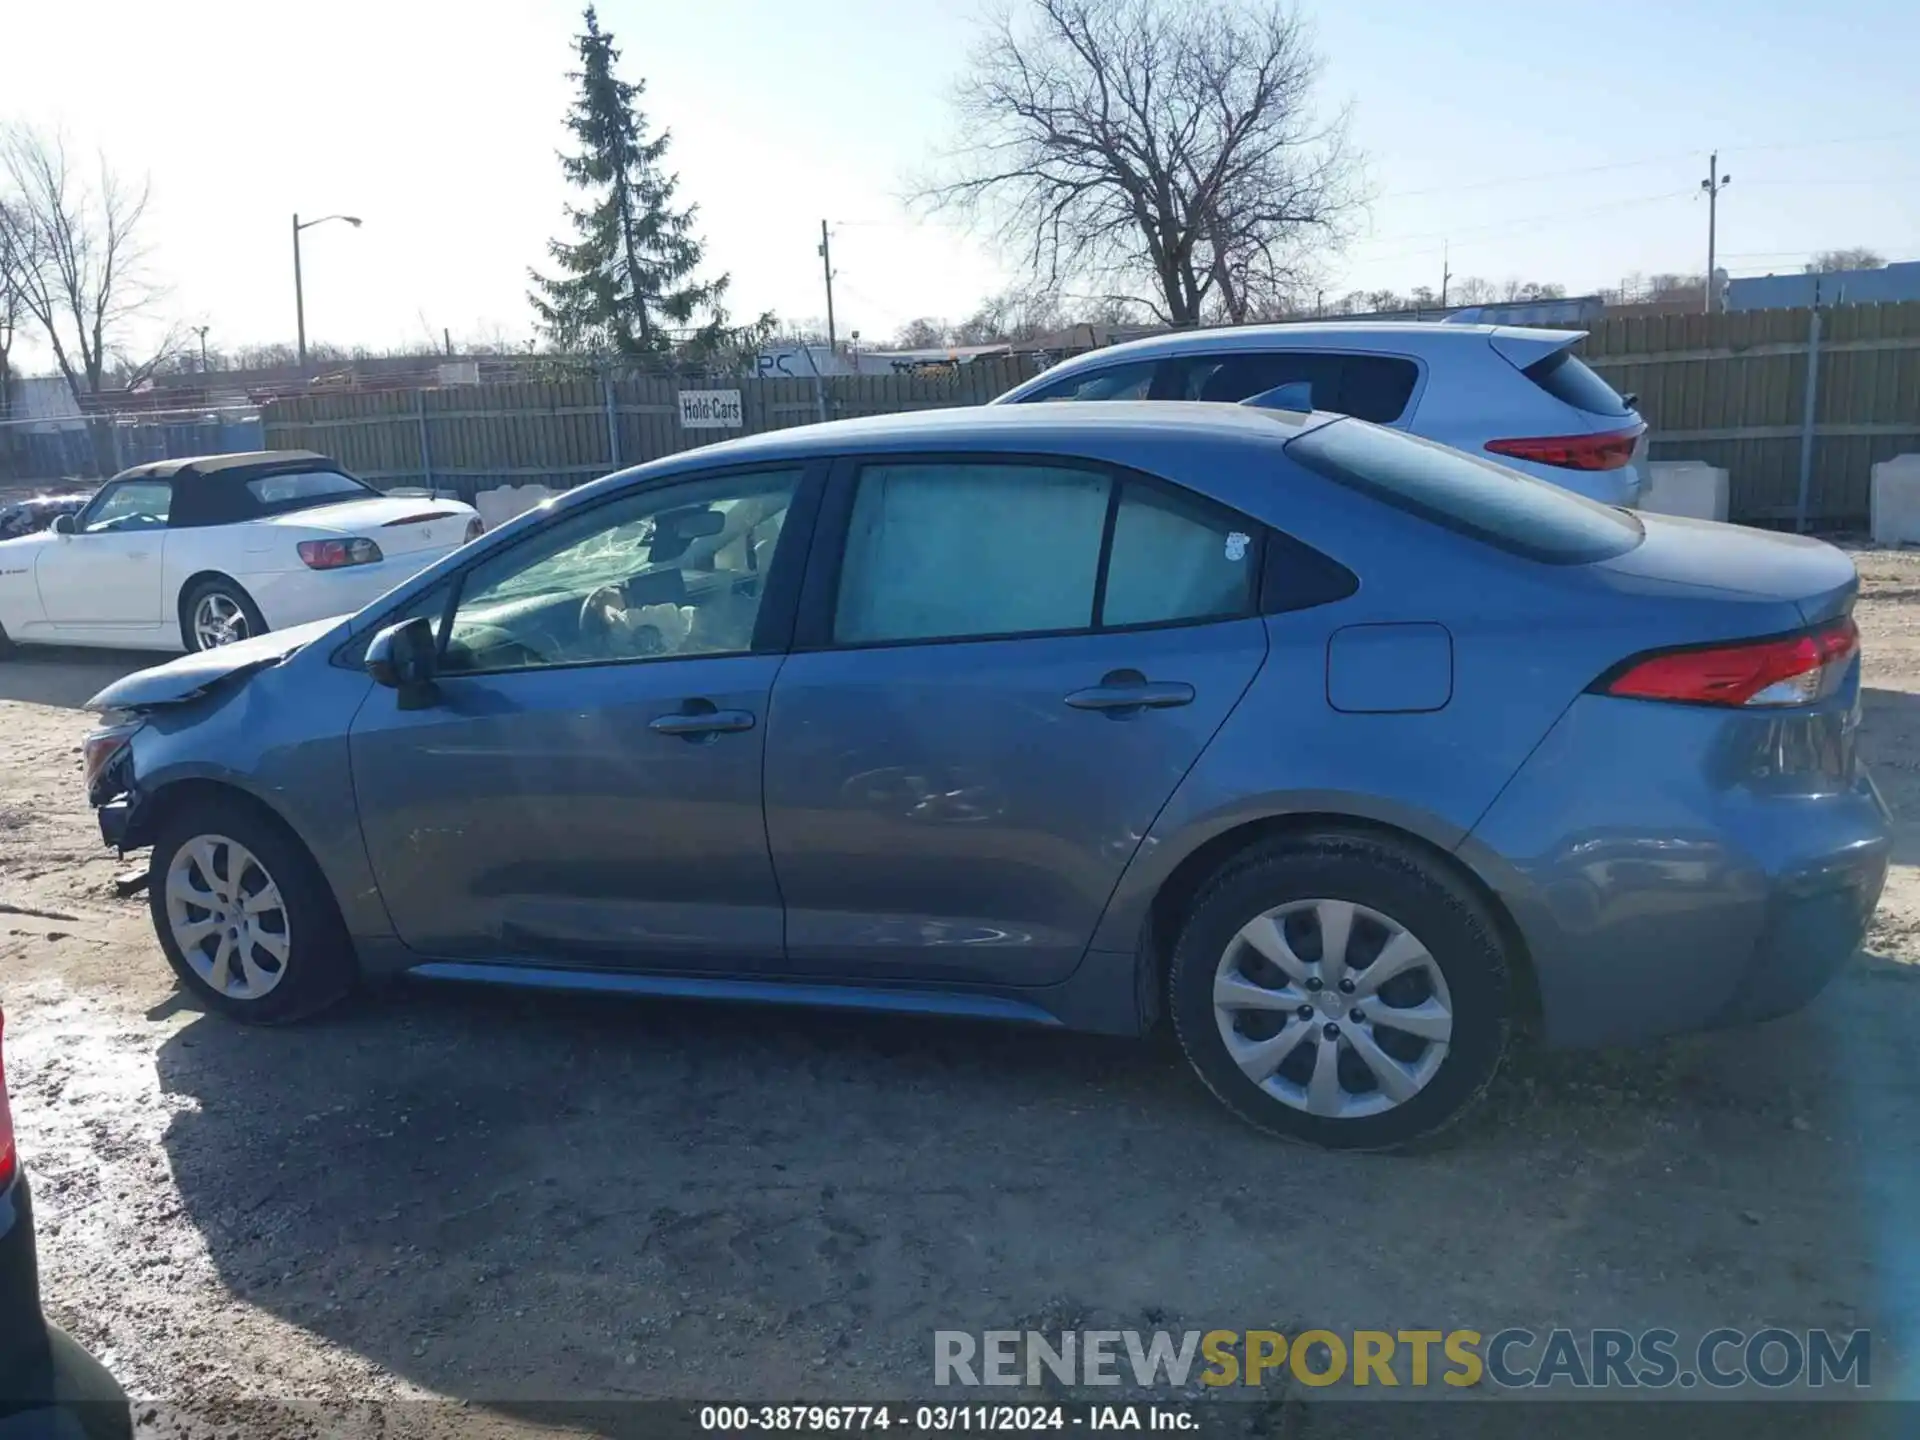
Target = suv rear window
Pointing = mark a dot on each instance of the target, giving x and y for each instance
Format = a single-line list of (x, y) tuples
[(1565, 376), (1468, 495)]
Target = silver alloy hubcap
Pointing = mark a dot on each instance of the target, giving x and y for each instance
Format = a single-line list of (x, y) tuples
[(218, 620), (227, 917), (1332, 1008)]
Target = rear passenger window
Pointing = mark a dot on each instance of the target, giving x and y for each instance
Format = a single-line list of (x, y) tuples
[(1376, 387), (950, 550), (1367, 387), (1463, 493), (1178, 557), (940, 551), (1117, 382), (1231, 378)]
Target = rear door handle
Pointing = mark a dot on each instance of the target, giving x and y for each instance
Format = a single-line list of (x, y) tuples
[(699, 720), (1126, 692)]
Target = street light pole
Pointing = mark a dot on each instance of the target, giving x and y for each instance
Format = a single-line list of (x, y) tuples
[(299, 295)]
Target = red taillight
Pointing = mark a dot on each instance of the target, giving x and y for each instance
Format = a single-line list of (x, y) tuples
[(333, 554), (8, 1162), (1793, 670), (1608, 451)]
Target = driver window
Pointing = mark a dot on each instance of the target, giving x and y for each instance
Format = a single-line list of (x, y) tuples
[(666, 573), (130, 505)]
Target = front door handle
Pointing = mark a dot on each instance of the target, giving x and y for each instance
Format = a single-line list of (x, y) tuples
[(699, 720), (1127, 692)]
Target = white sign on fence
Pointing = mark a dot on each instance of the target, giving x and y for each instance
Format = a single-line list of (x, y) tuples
[(710, 409)]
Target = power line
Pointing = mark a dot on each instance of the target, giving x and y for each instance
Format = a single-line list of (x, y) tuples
[(1505, 227), (1671, 157)]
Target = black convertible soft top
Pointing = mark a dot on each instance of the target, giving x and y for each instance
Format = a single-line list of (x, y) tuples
[(212, 489)]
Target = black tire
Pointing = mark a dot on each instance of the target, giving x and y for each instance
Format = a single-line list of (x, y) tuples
[(231, 592), (7, 648), (1393, 880), (318, 968), (85, 1390)]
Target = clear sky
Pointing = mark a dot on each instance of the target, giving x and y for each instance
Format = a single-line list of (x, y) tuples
[(1559, 142)]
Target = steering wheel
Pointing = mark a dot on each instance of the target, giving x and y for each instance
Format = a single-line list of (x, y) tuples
[(606, 621)]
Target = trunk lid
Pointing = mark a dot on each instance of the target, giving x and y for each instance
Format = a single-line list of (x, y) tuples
[(397, 524), (1811, 575), (192, 676)]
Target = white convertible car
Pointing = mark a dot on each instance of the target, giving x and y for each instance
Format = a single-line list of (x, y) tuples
[(191, 554)]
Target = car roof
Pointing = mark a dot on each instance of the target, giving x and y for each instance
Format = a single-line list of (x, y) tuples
[(1401, 336), (1095, 431), (238, 466)]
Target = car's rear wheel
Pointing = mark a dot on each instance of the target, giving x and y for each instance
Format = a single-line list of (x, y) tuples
[(1341, 989), (245, 917), (216, 613)]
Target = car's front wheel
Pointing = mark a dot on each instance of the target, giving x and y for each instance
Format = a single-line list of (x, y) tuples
[(1341, 989), (216, 613), (245, 916)]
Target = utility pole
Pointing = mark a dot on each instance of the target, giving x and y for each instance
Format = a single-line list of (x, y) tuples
[(201, 331), (1713, 185), (826, 264), (1446, 273)]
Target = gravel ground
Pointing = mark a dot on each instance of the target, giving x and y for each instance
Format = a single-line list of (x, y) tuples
[(497, 1200)]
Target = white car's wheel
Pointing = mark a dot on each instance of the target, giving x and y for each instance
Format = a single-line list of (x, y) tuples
[(216, 613)]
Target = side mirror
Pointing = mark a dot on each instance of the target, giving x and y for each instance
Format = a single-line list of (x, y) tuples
[(1294, 395), (402, 658), (63, 525)]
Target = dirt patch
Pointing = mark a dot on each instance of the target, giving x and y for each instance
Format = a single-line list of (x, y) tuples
[(504, 1199)]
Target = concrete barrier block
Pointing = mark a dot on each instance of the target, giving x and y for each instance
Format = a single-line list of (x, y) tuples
[(1691, 488), (503, 502), (1895, 501)]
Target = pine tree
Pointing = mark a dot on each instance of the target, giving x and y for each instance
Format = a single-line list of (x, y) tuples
[(629, 277)]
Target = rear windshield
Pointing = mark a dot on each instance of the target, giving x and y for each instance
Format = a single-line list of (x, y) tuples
[(1466, 494), (307, 487), (1565, 376)]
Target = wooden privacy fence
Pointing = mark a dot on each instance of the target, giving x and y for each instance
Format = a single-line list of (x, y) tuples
[(1732, 390), (565, 432)]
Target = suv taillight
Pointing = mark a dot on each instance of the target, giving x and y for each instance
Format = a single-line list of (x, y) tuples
[(1609, 450), (1788, 670), (8, 1161)]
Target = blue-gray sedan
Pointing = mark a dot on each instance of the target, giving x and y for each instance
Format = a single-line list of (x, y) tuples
[(1346, 752)]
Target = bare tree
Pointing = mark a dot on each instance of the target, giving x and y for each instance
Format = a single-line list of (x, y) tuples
[(1472, 290), (1854, 257), (1523, 290), (14, 263), (84, 278), (1165, 151), (924, 333)]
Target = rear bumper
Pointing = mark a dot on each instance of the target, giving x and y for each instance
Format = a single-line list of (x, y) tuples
[(1723, 866)]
